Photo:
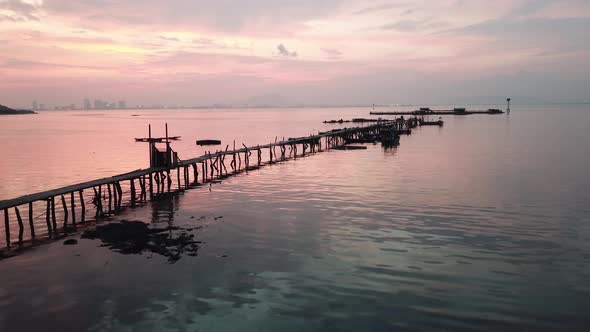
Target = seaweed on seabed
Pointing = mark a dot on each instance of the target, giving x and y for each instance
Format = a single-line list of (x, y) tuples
[(136, 237)]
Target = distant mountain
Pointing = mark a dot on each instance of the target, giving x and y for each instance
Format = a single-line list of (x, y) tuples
[(9, 111)]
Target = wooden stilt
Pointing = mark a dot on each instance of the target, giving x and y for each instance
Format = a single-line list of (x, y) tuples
[(31, 223), (48, 216), (63, 203), (21, 227), (110, 197), (239, 162), (132, 188), (169, 179), (7, 228), (203, 173), (82, 206), (151, 187), (178, 177), (53, 218), (196, 172), (157, 180), (187, 177), (115, 196), (73, 207), (234, 158), (120, 194), (270, 152), (143, 190)]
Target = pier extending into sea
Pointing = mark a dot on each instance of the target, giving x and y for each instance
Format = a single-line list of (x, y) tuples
[(455, 111), (53, 213)]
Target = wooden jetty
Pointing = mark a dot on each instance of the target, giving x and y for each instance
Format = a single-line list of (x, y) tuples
[(455, 111), (36, 216)]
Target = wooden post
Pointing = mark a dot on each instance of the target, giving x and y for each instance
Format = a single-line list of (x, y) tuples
[(203, 173), (178, 177), (110, 198), (187, 177), (31, 223), (82, 206), (115, 196), (168, 153), (143, 190), (212, 174), (120, 191), (270, 152), (53, 219), (73, 206), (196, 171), (7, 228), (239, 161), (132, 186), (151, 187), (169, 179), (21, 227), (259, 156), (234, 157), (48, 216), (63, 203), (150, 144), (157, 180), (97, 201)]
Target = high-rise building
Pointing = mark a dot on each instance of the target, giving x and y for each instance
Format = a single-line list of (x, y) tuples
[(99, 104), (87, 104)]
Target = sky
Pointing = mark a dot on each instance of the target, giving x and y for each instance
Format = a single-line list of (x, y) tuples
[(312, 52)]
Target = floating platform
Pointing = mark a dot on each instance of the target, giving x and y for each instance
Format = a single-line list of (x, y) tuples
[(455, 111), (208, 142), (439, 123)]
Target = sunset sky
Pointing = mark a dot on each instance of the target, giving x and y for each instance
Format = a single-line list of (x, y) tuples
[(306, 51)]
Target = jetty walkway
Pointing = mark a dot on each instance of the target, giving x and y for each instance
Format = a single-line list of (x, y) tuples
[(107, 196)]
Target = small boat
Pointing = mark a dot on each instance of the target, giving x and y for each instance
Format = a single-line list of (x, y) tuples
[(423, 122), (208, 142)]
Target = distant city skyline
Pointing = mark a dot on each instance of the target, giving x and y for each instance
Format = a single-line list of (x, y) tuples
[(309, 52), (97, 104)]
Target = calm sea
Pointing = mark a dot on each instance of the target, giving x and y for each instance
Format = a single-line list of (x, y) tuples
[(482, 225)]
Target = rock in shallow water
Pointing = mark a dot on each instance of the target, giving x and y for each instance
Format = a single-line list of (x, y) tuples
[(136, 237)]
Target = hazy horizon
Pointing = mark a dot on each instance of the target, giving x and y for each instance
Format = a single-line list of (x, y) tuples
[(337, 52)]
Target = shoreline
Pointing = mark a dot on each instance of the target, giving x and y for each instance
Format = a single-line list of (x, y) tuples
[(4, 110)]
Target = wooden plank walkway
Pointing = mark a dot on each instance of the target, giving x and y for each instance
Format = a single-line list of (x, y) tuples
[(107, 193)]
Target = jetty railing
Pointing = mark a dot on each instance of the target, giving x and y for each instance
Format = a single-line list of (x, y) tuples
[(40, 212)]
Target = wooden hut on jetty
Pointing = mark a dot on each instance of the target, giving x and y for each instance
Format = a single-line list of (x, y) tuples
[(51, 213)]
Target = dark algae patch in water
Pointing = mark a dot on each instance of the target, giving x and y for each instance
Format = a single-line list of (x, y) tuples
[(136, 237)]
